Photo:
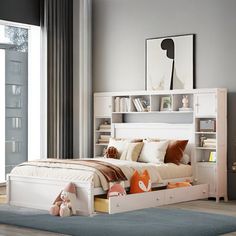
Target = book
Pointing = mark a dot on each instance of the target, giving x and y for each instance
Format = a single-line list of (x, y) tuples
[(210, 140), (103, 126), (209, 145), (136, 105), (117, 104), (104, 136), (212, 157), (139, 104), (102, 141), (127, 104)]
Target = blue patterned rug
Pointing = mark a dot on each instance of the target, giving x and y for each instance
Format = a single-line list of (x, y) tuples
[(153, 221)]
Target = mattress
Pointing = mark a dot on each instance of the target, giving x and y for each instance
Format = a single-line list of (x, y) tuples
[(159, 173)]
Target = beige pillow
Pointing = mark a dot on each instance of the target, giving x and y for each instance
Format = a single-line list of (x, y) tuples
[(132, 151), (153, 152)]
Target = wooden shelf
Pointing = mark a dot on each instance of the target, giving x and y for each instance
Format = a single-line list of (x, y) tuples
[(206, 148), (101, 144), (209, 163), (199, 132), (154, 112)]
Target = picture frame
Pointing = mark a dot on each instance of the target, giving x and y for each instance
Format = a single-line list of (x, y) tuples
[(170, 62), (207, 125), (166, 104)]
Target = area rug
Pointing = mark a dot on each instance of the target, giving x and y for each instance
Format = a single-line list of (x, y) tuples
[(153, 221)]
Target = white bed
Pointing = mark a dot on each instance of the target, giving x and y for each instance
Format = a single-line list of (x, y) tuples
[(159, 173), (37, 187)]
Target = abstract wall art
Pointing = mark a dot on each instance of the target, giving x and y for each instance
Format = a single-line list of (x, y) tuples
[(170, 62)]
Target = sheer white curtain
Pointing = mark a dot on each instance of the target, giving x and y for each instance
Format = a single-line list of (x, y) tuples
[(82, 80)]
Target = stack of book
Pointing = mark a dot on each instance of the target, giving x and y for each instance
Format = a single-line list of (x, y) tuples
[(104, 138), (105, 127), (209, 142), (140, 104), (122, 104)]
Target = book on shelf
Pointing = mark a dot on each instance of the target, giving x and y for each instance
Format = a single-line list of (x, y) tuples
[(137, 105), (100, 140), (209, 142), (122, 104), (105, 126), (117, 104), (140, 104), (212, 157), (105, 137)]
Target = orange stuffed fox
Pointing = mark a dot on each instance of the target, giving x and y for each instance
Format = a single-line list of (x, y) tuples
[(140, 183)]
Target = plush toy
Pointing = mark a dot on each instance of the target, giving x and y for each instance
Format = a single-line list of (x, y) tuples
[(178, 185), (140, 183), (64, 205), (116, 190), (111, 152)]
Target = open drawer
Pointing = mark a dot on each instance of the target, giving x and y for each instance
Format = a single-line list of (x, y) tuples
[(137, 201)]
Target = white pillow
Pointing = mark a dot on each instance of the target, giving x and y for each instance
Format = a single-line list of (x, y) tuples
[(154, 152), (185, 159), (119, 144)]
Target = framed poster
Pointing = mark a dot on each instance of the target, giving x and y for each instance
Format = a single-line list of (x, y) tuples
[(170, 63)]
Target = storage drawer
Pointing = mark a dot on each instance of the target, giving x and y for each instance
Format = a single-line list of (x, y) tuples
[(129, 202), (186, 193), (137, 201)]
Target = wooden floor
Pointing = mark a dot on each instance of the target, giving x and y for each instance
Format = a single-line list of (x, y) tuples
[(228, 208)]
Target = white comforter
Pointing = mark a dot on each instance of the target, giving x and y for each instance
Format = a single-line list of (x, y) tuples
[(77, 173)]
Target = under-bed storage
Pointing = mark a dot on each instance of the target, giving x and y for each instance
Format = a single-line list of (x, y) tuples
[(132, 202)]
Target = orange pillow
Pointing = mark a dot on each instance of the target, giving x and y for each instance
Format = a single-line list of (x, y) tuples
[(175, 151), (140, 183)]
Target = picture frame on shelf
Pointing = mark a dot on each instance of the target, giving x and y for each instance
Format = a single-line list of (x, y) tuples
[(207, 125), (170, 62), (166, 103)]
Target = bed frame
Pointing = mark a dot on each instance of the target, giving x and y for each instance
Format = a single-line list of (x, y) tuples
[(38, 193)]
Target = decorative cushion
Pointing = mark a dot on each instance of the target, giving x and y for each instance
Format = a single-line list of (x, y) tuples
[(116, 190), (153, 152), (132, 151), (111, 152), (140, 183), (175, 151)]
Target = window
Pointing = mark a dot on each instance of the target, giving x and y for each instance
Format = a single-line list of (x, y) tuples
[(20, 95)]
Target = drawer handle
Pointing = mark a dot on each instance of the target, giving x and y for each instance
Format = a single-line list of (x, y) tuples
[(157, 198), (171, 197), (204, 191), (117, 205)]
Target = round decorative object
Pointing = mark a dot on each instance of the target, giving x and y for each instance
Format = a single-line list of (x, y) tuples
[(111, 152)]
